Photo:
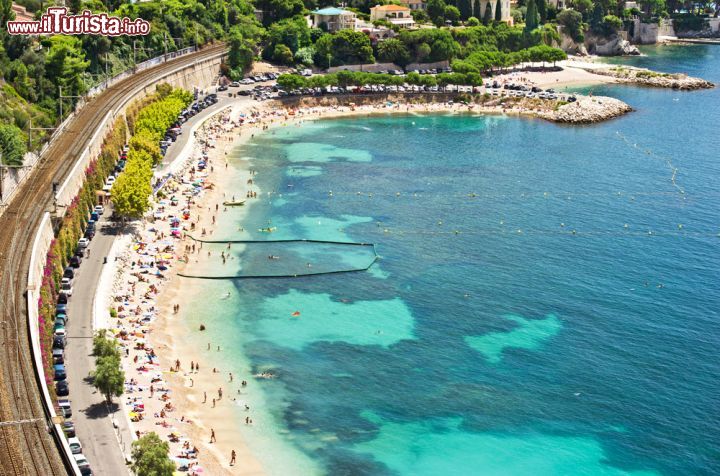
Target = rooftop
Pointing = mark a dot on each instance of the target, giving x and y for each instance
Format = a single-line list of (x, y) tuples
[(331, 11), (390, 8)]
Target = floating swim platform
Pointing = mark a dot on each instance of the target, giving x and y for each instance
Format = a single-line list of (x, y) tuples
[(236, 203)]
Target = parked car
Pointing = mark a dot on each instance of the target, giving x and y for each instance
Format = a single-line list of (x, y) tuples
[(62, 389), (222, 88), (62, 299), (59, 326), (83, 242), (66, 286), (75, 261), (60, 309), (65, 412), (81, 461), (60, 333), (69, 428), (58, 356), (99, 209), (89, 233), (235, 84), (59, 372), (58, 342), (75, 445)]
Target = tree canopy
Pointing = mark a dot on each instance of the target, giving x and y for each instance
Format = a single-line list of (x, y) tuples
[(151, 456), (12, 145)]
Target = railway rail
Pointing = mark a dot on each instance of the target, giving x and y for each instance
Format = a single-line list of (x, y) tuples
[(28, 447)]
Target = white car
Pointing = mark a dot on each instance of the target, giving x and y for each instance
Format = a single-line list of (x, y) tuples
[(99, 209), (60, 333), (81, 461), (111, 179), (83, 243), (75, 446), (66, 287)]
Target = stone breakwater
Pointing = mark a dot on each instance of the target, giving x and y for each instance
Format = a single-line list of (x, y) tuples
[(646, 77), (587, 110)]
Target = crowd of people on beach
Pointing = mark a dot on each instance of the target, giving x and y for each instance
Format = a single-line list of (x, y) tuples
[(161, 244)]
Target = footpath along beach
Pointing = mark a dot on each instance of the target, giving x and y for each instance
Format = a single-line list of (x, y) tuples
[(182, 392)]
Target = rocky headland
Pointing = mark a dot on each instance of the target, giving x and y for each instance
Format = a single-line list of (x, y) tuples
[(587, 110), (646, 77)]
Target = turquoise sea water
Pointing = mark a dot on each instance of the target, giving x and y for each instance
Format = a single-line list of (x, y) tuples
[(545, 303)]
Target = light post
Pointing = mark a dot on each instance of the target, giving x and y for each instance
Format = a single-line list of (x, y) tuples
[(60, 98)]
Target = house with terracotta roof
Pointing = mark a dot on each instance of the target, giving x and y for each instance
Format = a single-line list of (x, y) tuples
[(334, 19), (396, 14)]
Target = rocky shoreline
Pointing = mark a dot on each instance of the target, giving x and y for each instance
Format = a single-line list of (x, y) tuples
[(588, 110), (585, 110), (646, 77)]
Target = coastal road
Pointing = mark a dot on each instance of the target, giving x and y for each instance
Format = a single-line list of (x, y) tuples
[(177, 146), (92, 416), (224, 99)]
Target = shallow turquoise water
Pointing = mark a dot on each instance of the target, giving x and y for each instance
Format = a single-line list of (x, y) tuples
[(546, 302)]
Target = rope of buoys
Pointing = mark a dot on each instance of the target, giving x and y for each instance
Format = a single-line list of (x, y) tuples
[(650, 153)]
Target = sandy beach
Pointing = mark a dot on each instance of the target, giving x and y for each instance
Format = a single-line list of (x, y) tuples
[(186, 403)]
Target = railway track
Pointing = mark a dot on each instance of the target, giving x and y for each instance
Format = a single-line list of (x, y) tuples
[(29, 448)]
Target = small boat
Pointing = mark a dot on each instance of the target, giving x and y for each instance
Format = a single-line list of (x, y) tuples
[(236, 203), (269, 229)]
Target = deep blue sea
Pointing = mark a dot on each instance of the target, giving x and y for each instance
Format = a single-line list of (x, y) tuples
[(545, 300)]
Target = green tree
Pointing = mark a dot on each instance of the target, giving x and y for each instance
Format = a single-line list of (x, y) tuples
[(12, 145), (151, 456), (394, 51), (283, 55), (542, 10), (345, 47), (531, 17), (305, 55), (436, 11), (103, 346), (132, 190), (109, 378), (473, 21), (291, 32), (572, 24), (609, 26), (452, 14), (65, 65), (582, 6), (241, 54), (289, 82), (498, 11), (488, 18), (275, 10)]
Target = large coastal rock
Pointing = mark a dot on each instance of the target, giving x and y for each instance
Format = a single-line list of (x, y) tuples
[(613, 46), (646, 77), (569, 46), (587, 110)]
